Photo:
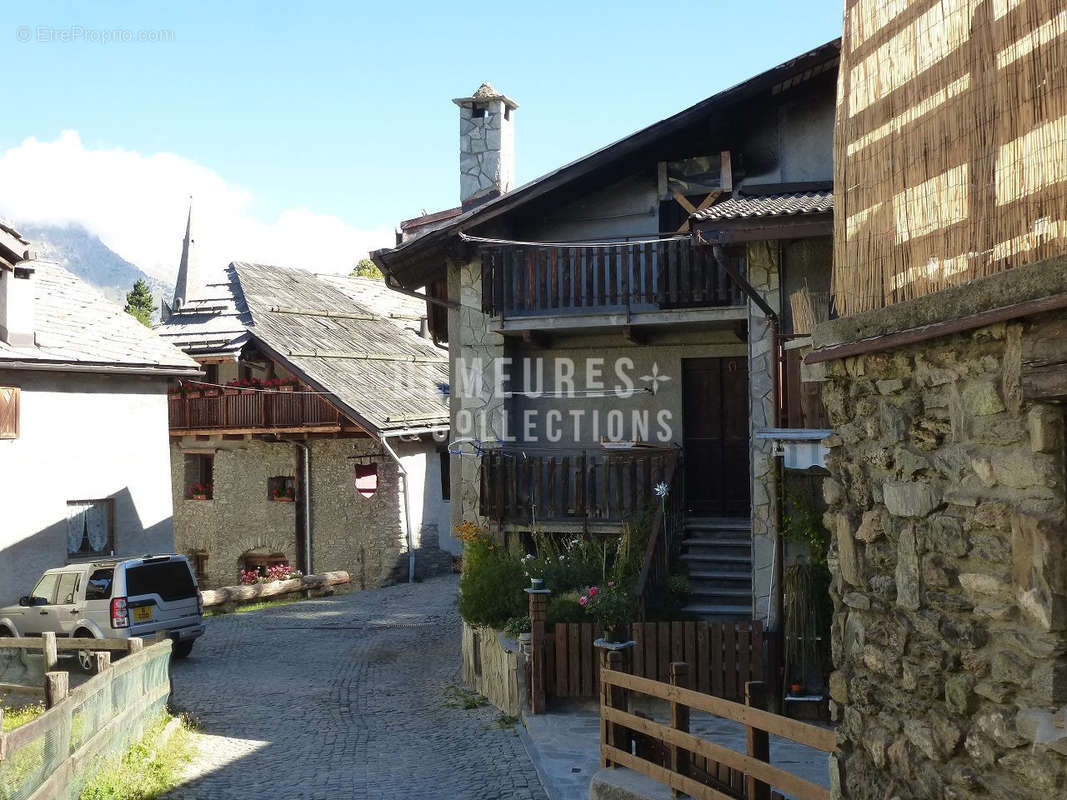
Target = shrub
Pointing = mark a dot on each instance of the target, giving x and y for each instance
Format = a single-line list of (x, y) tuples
[(565, 608), (611, 605), (492, 583), (516, 625)]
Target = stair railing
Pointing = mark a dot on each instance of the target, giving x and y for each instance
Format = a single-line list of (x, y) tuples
[(667, 526)]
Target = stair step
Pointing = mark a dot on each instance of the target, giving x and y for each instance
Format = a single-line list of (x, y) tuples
[(721, 591), (717, 540), (718, 523), (720, 575), (721, 610), (723, 558)]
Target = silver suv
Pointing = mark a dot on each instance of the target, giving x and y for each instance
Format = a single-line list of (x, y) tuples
[(113, 598)]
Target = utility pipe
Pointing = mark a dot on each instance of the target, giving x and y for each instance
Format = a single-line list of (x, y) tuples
[(305, 491), (407, 506)]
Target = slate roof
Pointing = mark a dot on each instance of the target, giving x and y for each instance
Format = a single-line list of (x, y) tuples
[(784, 204), (74, 325), (209, 324), (330, 331), (375, 296)]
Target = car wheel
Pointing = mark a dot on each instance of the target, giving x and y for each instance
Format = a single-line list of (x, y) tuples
[(182, 649), (86, 662), (6, 633)]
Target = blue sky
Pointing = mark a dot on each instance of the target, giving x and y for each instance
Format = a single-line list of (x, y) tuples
[(343, 109)]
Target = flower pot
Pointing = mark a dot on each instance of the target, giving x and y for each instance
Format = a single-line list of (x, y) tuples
[(285, 388), (537, 583), (198, 497), (796, 688), (284, 499)]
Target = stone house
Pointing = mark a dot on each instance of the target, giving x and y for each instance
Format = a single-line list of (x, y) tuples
[(621, 322), (315, 436), (84, 459), (947, 374)]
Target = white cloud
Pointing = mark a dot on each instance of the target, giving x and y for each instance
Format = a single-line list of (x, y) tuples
[(137, 203)]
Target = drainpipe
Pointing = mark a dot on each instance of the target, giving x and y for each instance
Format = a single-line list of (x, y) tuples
[(407, 506), (305, 491)]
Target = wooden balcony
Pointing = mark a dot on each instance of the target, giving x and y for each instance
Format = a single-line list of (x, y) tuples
[(245, 411), (520, 280), (577, 486)]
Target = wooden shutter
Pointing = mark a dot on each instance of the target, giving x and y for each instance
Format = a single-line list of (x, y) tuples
[(9, 412)]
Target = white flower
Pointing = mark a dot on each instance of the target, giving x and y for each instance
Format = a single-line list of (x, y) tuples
[(660, 489)]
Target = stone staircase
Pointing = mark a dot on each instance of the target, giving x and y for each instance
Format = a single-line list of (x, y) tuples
[(718, 552)]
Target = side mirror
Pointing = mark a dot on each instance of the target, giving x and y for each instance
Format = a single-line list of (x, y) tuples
[(24, 600)]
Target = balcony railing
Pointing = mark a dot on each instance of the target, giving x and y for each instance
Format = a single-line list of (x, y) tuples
[(521, 280), (578, 485), (238, 409)]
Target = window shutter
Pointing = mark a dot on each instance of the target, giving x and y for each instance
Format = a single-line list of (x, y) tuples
[(9, 412)]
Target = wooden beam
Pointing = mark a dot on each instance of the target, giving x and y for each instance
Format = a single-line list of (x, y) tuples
[(535, 338), (811, 735), (726, 173), (206, 433), (634, 335)]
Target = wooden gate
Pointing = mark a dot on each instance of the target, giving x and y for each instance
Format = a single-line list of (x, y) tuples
[(724, 656)]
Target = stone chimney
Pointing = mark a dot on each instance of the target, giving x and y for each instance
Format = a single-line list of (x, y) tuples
[(486, 145)]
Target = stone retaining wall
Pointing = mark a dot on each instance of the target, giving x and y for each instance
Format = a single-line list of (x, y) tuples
[(950, 572), (492, 666)]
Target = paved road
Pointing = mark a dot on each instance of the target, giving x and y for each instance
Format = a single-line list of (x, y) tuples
[(343, 698)]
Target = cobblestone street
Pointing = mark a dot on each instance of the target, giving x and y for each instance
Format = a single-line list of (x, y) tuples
[(342, 698)]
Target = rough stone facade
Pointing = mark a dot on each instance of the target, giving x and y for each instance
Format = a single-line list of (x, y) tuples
[(763, 272), (950, 573), (364, 536)]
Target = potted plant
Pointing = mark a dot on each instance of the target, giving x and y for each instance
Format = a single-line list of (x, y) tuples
[(611, 606), (283, 494), (200, 491)]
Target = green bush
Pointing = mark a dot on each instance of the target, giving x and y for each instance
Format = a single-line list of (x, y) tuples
[(565, 608), (492, 583)]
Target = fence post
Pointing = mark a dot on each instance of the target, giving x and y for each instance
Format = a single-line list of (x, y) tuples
[(679, 676), (538, 612), (612, 696), (136, 644), (103, 660), (56, 685), (51, 654), (757, 741)]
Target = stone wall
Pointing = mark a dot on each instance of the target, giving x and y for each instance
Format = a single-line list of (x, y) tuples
[(763, 271), (950, 581), (364, 536), (492, 666)]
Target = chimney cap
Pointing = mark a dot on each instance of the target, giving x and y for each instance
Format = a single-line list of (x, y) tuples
[(484, 94)]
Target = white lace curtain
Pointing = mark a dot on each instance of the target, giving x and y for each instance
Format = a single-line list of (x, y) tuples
[(87, 521)]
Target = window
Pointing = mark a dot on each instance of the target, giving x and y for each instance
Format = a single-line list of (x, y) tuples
[(446, 476), (9, 412), (211, 373), (199, 476), (282, 488), (68, 586), (90, 528), (478, 112), (99, 586), (44, 593), (198, 559), (171, 580)]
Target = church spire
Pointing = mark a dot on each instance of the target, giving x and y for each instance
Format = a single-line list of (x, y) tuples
[(186, 286)]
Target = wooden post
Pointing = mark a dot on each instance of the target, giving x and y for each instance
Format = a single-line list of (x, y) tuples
[(605, 702), (103, 660), (757, 741), (56, 686), (617, 698), (679, 676), (51, 654), (538, 612), (136, 644)]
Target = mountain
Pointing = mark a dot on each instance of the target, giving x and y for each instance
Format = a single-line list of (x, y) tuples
[(82, 252)]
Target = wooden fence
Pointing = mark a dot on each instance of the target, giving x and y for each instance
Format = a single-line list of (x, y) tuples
[(670, 754), (724, 655), (596, 484), (548, 279), (53, 755)]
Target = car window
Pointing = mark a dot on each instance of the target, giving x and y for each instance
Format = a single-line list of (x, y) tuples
[(171, 580), (44, 593), (68, 584), (99, 585)]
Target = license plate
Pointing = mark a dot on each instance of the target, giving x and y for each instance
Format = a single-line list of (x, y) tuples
[(142, 614)]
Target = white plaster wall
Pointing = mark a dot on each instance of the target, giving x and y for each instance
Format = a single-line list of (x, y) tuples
[(427, 506), (82, 437)]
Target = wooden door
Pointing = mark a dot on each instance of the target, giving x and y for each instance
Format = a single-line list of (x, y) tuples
[(715, 424)]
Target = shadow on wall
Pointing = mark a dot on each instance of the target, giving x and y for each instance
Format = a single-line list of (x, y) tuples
[(23, 561)]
